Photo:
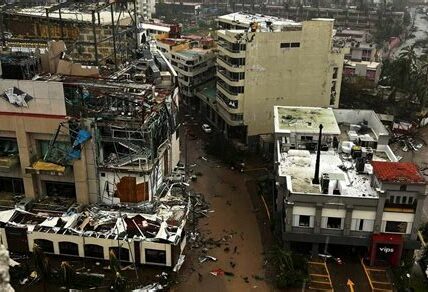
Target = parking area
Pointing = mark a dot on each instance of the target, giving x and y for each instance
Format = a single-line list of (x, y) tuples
[(319, 276), (378, 278)]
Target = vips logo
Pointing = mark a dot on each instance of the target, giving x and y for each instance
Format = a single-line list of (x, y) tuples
[(386, 249)]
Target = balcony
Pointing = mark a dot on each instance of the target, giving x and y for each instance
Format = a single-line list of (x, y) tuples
[(234, 53), (227, 64), (231, 91), (229, 78), (401, 208)]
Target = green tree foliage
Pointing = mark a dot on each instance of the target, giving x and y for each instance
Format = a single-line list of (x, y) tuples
[(408, 74), (291, 268)]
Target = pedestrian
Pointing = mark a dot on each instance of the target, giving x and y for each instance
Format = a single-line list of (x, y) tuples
[(200, 277), (235, 249)]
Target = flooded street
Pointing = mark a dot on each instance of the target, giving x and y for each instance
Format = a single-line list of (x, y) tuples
[(233, 222)]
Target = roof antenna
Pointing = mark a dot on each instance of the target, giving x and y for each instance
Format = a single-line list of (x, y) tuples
[(316, 179)]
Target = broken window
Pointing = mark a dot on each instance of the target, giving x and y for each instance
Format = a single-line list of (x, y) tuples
[(304, 220), (60, 189), (155, 256), (334, 222), (68, 248), (121, 253), (94, 251), (395, 226), (45, 245)]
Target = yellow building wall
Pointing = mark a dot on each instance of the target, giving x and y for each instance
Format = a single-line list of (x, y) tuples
[(288, 76)]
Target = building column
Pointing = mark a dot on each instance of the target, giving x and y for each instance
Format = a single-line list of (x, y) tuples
[(418, 216), (81, 178), (348, 220), (379, 213), (25, 154), (288, 218), (317, 220), (55, 247)]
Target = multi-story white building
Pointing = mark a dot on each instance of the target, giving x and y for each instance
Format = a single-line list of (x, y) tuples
[(193, 58), (265, 61), (351, 191)]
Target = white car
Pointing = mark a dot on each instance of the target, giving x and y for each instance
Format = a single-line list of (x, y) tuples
[(206, 128)]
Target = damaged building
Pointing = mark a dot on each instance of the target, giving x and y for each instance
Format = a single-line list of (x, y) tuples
[(339, 184), (148, 233), (76, 134), (96, 32)]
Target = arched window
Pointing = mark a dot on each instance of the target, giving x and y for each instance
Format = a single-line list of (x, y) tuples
[(68, 248), (94, 251), (45, 245), (120, 253)]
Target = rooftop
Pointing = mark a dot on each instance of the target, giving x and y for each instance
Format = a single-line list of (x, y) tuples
[(246, 19), (370, 65), (161, 220), (208, 90), (299, 165), (398, 172), (75, 13), (305, 120)]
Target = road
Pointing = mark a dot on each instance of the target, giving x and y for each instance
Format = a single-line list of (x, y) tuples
[(421, 25), (234, 221)]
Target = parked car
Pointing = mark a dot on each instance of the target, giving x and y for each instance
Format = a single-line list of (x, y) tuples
[(206, 128)]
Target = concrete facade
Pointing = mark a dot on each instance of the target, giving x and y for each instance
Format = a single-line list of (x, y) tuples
[(293, 65)]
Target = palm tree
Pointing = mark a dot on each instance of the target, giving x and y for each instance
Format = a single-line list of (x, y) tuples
[(42, 265), (67, 273)]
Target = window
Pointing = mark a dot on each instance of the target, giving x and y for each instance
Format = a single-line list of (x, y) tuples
[(397, 199), (304, 220), (68, 248), (155, 256), (45, 245), (285, 45), (334, 223), (120, 253), (403, 200), (295, 45), (362, 225), (411, 200), (396, 226), (236, 117), (391, 199), (94, 251), (306, 138)]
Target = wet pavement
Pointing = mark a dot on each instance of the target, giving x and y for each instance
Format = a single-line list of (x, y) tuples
[(233, 221), (421, 33)]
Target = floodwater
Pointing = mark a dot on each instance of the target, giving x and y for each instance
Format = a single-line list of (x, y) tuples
[(234, 219)]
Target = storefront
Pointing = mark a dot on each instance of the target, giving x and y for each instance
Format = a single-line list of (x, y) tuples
[(386, 249)]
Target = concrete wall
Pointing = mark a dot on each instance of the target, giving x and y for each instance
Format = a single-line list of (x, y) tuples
[(288, 76), (39, 121), (105, 243), (352, 116)]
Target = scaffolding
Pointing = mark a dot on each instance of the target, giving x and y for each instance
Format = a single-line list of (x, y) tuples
[(124, 38)]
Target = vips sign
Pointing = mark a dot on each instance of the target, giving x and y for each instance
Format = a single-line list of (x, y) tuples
[(386, 249)]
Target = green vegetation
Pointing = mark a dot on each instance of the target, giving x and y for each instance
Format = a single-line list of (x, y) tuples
[(291, 268), (408, 74)]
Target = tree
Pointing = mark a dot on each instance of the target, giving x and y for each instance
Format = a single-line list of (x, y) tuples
[(67, 274), (291, 269), (42, 265)]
